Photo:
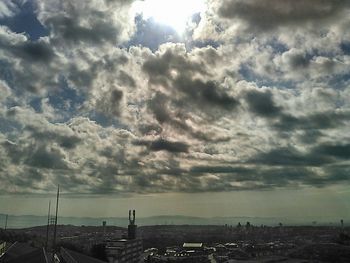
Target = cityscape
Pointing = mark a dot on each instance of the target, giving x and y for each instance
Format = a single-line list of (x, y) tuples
[(243, 242)]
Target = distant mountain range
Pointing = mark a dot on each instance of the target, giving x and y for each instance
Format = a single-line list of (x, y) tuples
[(24, 221)]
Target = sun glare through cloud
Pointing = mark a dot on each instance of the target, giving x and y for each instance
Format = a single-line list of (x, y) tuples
[(173, 13)]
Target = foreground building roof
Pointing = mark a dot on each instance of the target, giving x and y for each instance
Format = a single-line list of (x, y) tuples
[(72, 256), (22, 252)]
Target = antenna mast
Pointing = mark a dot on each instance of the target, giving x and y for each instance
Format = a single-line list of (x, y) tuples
[(47, 227), (55, 228)]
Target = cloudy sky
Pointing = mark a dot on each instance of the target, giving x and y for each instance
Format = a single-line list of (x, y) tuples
[(229, 107)]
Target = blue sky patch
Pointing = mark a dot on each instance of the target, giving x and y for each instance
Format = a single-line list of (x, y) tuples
[(26, 22)]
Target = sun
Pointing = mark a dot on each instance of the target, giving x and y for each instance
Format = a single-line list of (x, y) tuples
[(173, 13)]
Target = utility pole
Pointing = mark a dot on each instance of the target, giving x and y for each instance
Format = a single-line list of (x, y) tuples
[(55, 228), (3, 256), (6, 218), (48, 226)]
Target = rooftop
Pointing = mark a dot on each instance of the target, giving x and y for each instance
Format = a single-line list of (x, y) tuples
[(192, 245), (78, 257)]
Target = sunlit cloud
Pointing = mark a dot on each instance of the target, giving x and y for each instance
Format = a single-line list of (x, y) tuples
[(174, 13)]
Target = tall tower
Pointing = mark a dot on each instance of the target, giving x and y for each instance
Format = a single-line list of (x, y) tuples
[(132, 227), (104, 224)]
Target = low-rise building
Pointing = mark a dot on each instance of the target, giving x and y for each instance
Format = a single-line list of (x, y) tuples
[(124, 250)]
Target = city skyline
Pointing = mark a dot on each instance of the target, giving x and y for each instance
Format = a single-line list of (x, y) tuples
[(234, 107)]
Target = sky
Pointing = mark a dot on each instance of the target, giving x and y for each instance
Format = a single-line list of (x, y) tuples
[(206, 108)]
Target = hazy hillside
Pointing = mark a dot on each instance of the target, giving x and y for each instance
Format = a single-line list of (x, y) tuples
[(30, 220)]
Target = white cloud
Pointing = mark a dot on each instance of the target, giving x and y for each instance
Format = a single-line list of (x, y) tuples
[(7, 9)]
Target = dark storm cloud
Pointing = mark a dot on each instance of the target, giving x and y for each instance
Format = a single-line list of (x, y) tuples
[(116, 96), (68, 28), (14, 152), (298, 60), (272, 177), (30, 64), (103, 75), (219, 170), (43, 132), (126, 80), (159, 106), (82, 77), (317, 156), (165, 145), (187, 91), (314, 121), (110, 103), (79, 22), (161, 145), (42, 157), (262, 103), (340, 151), (290, 156), (34, 51), (160, 67), (175, 71), (269, 14), (68, 141), (255, 177), (28, 180), (38, 156), (310, 136), (268, 177), (337, 173), (296, 176), (147, 128), (205, 92)]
